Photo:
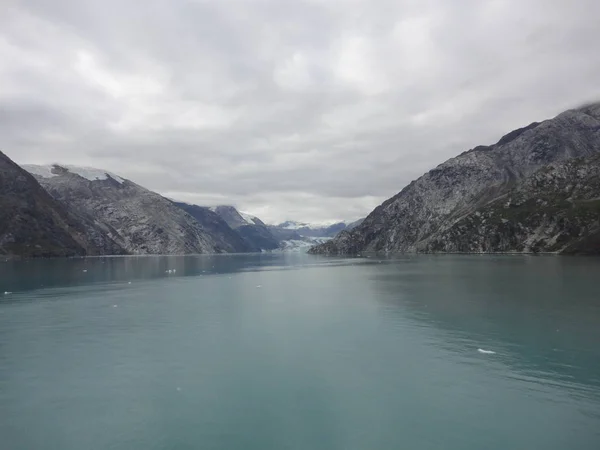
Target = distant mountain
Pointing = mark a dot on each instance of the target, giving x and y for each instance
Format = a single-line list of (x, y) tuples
[(225, 237), (300, 236), (251, 228), (534, 190), (138, 220), (302, 244), (33, 224), (305, 229)]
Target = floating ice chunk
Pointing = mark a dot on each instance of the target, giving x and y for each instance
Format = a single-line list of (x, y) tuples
[(7, 293), (486, 352), (259, 286), (114, 306), (84, 270)]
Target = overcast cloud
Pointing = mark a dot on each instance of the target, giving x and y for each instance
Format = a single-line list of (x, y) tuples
[(307, 109)]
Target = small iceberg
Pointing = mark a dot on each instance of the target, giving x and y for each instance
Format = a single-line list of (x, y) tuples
[(486, 352), (7, 293)]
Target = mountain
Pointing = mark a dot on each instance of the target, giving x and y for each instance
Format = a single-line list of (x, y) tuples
[(33, 224), (226, 238), (252, 229), (301, 236), (557, 209), (138, 220), (432, 213), (302, 244), (312, 230)]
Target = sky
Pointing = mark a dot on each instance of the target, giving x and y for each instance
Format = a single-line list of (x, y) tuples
[(312, 110)]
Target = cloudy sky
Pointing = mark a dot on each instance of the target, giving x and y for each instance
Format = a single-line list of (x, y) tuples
[(307, 109)]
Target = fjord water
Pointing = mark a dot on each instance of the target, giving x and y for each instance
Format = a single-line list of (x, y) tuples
[(289, 351)]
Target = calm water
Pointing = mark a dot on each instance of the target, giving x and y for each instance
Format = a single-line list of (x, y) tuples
[(299, 352)]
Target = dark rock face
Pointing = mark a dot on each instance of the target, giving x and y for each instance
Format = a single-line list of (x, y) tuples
[(259, 237), (33, 224), (224, 236), (138, 220), (424, 215), (252, 229)]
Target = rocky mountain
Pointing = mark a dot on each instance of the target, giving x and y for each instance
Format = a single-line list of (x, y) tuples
[(138, 220), (433, 212), (33, 224), (226, 238), (252, 229), (557, 209)]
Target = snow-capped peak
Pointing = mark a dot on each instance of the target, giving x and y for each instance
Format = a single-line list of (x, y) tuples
[(53, 170), (251, 220)]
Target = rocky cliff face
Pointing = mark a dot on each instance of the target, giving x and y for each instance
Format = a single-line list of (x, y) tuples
[(557, 209), (252, 229), (33, 224), (425, 215), (225, 237), (138, 220)]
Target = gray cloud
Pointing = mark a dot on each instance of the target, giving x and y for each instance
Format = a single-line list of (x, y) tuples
[(313, 110)]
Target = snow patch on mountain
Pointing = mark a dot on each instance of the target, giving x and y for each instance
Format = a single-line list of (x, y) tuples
[(89, 173), (41, 171), (248, 218)]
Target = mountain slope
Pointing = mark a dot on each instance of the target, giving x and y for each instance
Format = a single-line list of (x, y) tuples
[(251, 228), (140, 221), (225, 237), (428, 207), (557, 209), (33, 224)]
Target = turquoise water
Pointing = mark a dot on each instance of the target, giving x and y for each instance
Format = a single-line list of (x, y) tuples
[(290, 351)]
